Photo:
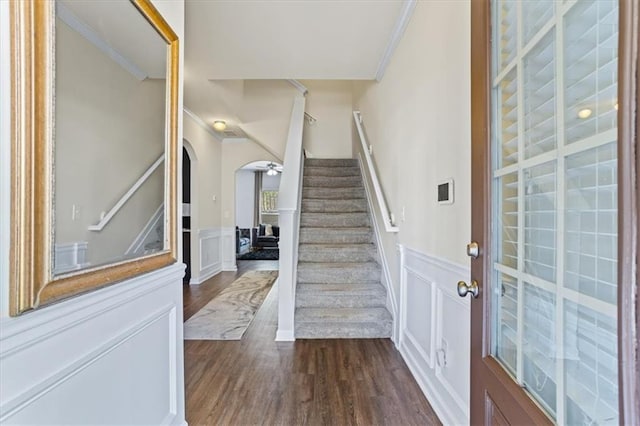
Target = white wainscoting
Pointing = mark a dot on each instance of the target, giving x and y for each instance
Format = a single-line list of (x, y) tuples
[(434, 331), (229, 249), (113, 356), (209, 252), (70, 256)]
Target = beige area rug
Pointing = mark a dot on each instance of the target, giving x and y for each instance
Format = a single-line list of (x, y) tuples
[(228, 315)]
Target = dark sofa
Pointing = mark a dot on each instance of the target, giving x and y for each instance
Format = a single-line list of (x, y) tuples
[(260, 240)]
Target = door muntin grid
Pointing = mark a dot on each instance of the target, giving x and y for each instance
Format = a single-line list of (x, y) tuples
[(554, 201)]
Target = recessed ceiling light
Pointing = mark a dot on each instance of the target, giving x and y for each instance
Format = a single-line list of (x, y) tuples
[(219, 125), (584, 113)]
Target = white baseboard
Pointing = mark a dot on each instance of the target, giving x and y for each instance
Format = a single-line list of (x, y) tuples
[(285, 336)]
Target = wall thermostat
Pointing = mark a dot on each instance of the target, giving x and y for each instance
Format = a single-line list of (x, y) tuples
[(445, 192)]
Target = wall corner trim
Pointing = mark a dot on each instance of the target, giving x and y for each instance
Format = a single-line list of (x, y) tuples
[(399, 29)]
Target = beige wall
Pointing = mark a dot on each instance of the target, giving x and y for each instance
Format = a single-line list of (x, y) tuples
[(331, 103), (109, 129), (266, 113), (236, 155), (417, 119)]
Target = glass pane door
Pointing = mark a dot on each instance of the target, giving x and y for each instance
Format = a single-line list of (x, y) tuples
[(554, 191)]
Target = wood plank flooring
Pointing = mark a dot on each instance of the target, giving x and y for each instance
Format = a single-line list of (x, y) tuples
[(308, 382)]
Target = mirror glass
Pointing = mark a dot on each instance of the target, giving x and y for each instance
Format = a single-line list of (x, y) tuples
[(109, 136)]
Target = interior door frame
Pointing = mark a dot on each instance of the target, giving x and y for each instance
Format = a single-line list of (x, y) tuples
[(514, 400)]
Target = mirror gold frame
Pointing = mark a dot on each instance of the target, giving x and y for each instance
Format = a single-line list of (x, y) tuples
[(32, 52)]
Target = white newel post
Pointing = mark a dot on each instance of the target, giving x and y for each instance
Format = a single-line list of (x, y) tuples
[(289, 210)]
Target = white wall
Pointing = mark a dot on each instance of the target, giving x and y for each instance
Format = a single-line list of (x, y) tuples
[(330, 102), (418, 120), (112, 356), (245, 198)]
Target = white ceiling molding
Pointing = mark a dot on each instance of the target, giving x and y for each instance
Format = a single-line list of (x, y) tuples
[(75, 23), (401, 25), (301, 87), (202, 124)]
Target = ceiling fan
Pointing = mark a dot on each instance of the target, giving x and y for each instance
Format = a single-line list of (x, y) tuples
[(271, 168)]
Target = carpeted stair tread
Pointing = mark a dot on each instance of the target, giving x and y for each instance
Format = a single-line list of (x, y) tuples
[(362, 252), (330, 162), (344, 330), (333, 193), (334, 236), (313, 205), (331, 171), (321, 272), (338, 315), (335, 220), (341, 295), (332, 181)]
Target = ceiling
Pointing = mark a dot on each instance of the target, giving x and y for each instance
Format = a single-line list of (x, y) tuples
[(289, 39)]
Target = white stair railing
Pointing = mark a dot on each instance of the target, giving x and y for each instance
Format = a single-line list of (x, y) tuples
[(289, 199), (121, 202), (387, 216)]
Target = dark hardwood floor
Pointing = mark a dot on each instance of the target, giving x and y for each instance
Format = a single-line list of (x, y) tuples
[(316, 382)]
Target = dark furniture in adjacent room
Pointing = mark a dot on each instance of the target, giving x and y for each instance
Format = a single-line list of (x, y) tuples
[(260, 240)]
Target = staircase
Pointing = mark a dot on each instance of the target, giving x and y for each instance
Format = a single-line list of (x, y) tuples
[(338, 293)]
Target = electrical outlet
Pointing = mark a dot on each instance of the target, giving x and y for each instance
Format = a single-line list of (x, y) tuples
[(75, 213), (402, 215), (214, 198)]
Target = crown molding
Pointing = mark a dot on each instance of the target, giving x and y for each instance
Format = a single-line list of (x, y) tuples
[(401, 25), (301, 87), (202, 123), (76, 24)]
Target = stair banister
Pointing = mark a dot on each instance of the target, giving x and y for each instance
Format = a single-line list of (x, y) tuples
[(121, 202), (389, 226), (289, 199)]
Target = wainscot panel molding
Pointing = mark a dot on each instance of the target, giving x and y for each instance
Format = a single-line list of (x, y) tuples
[(434, 333), (113, 356), (210, 244), (229, 249)]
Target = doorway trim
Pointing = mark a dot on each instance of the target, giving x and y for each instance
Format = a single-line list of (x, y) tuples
[(194, 242)]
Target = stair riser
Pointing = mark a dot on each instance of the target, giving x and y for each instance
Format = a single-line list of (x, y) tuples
[(308, 253), (340, 301), (332, 181), (331, 162), (337, 275), (333, 193), (338, 331), (331, 171), (334, 236), (334, 206), (320, 220)]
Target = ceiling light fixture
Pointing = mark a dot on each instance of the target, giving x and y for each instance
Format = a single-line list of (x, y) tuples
[(219, 125), (616, 106), (584, 113), (271, 172)]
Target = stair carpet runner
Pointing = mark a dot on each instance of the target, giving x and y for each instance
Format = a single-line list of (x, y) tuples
[(339, 292)]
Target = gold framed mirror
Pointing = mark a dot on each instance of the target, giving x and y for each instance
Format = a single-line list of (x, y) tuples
[(94, 153)]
